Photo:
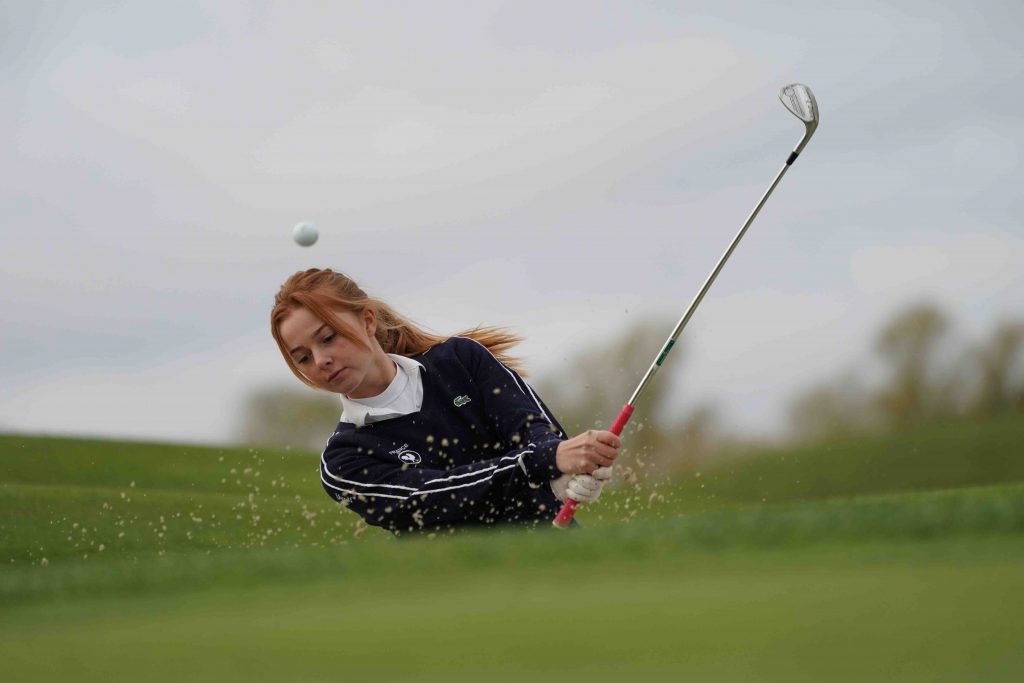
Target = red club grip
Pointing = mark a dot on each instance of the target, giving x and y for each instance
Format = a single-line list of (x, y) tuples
[(621, 420), (565, 515)]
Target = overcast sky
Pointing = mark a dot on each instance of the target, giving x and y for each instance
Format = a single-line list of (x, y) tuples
[(567, 169)]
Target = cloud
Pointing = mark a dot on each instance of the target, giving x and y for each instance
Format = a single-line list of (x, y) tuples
[(507, 165), (192, 398), (954, 266), (983, 153), (164, 95), (333, 58)]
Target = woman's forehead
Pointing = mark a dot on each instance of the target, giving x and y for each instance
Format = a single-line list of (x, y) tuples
[(302, 324), (299, 324)]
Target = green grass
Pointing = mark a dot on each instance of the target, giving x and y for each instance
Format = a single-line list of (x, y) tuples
[(127, 464), (68, 499), (978, 512), (122, 561), (960, 453), (924, 610)]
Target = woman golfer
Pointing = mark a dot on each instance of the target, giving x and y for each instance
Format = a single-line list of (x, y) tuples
[(436, 433)]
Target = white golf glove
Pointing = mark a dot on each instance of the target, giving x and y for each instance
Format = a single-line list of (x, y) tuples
[(583, 488)]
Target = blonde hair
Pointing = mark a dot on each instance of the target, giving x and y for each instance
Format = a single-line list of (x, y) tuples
[(324, 292)]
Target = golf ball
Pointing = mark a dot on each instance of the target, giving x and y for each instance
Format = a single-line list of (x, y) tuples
[(305, 234)]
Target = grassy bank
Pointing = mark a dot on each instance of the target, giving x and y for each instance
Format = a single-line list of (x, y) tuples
[(167, 562)]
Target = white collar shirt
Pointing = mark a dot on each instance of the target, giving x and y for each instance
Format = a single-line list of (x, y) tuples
[(403, 396)]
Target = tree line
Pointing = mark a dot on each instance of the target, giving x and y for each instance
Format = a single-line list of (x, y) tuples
[(924, 372)]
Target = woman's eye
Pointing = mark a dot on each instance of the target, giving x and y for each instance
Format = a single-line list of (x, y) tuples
[(301, 360), (328, 339)]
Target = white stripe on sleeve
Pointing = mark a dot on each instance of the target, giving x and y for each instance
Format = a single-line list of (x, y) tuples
[(423, 490)]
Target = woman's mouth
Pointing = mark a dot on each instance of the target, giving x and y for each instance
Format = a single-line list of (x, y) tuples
[(334, 377)]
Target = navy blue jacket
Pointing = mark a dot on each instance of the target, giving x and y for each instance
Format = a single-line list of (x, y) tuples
[(479, 452)]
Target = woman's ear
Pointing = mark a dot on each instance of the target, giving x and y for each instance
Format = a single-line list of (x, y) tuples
[(370, 321)]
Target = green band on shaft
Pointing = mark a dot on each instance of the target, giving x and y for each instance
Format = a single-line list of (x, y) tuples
[(664, 351)]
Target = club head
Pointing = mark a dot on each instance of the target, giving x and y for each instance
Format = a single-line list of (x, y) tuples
[(799, 99)]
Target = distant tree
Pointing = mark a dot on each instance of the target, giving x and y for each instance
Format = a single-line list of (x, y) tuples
[(590, 389), (1000, 369), (909, 345), (927, 378), (286, 417), (695, 440), (839, 407)]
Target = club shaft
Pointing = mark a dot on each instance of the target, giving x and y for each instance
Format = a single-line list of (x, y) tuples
[(707, 285), (565, 515)]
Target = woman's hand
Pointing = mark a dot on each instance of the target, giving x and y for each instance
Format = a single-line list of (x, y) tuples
[(586, 452), (583, 488)]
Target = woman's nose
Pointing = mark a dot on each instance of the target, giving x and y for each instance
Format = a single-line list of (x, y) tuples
[(322, 360)]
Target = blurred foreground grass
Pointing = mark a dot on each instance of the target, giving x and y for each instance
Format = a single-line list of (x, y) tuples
[(122, 560), (547, 609)]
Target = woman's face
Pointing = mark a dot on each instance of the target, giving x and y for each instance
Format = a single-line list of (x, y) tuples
[(326, 358)]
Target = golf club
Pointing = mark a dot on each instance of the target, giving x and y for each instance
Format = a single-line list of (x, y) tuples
[(799, 100)]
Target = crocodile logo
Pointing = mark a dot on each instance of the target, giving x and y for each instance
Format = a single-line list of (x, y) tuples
[(461, 401)]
